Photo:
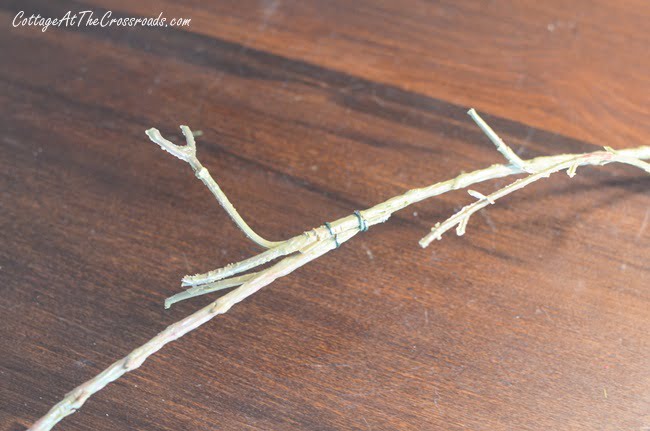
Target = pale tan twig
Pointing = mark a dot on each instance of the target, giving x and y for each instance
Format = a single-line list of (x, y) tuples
[(209, 288), (188, 154), (507, 152), (75, 399), (303, 248), (461, 218), (287, 247)]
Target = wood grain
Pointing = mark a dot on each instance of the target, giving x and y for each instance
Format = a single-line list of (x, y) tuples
[(536, 319)]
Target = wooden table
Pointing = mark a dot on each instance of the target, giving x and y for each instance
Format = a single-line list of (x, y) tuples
[(536, 319)]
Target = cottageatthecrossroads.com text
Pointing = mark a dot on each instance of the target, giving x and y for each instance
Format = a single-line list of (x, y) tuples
[(88, 18)]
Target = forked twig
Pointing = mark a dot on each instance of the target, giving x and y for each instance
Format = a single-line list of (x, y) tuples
[(301, 249), (188, 154)]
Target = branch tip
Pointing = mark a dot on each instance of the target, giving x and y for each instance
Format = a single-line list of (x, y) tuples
[(462, 225), (571, 172), (480, 196), (189, 137), (185, 153)]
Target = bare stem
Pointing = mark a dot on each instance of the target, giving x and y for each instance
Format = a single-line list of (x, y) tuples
[(188, 154), (461, 218), (308, 246), (209, 288), (507, 152), (75, 399)]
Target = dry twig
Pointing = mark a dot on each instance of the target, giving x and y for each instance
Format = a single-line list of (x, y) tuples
[(303, 248)]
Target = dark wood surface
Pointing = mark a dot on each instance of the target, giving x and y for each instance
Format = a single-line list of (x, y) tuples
[(536, 319)]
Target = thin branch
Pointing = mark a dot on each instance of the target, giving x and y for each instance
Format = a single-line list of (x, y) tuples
[(461, 218), (287, 247), (203, 289), (308, 246), (507, 152), (188, 154), (76, 398)]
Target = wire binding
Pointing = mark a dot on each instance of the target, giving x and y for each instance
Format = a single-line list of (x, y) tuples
[(363, 224), (335, 236)]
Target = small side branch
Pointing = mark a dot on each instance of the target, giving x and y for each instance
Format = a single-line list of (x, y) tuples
[(461, 218), (507, 152), (286, 248), (209, 288), (188, 154)]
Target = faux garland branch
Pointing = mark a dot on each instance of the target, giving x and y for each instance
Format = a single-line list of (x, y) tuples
[(299, 250)]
